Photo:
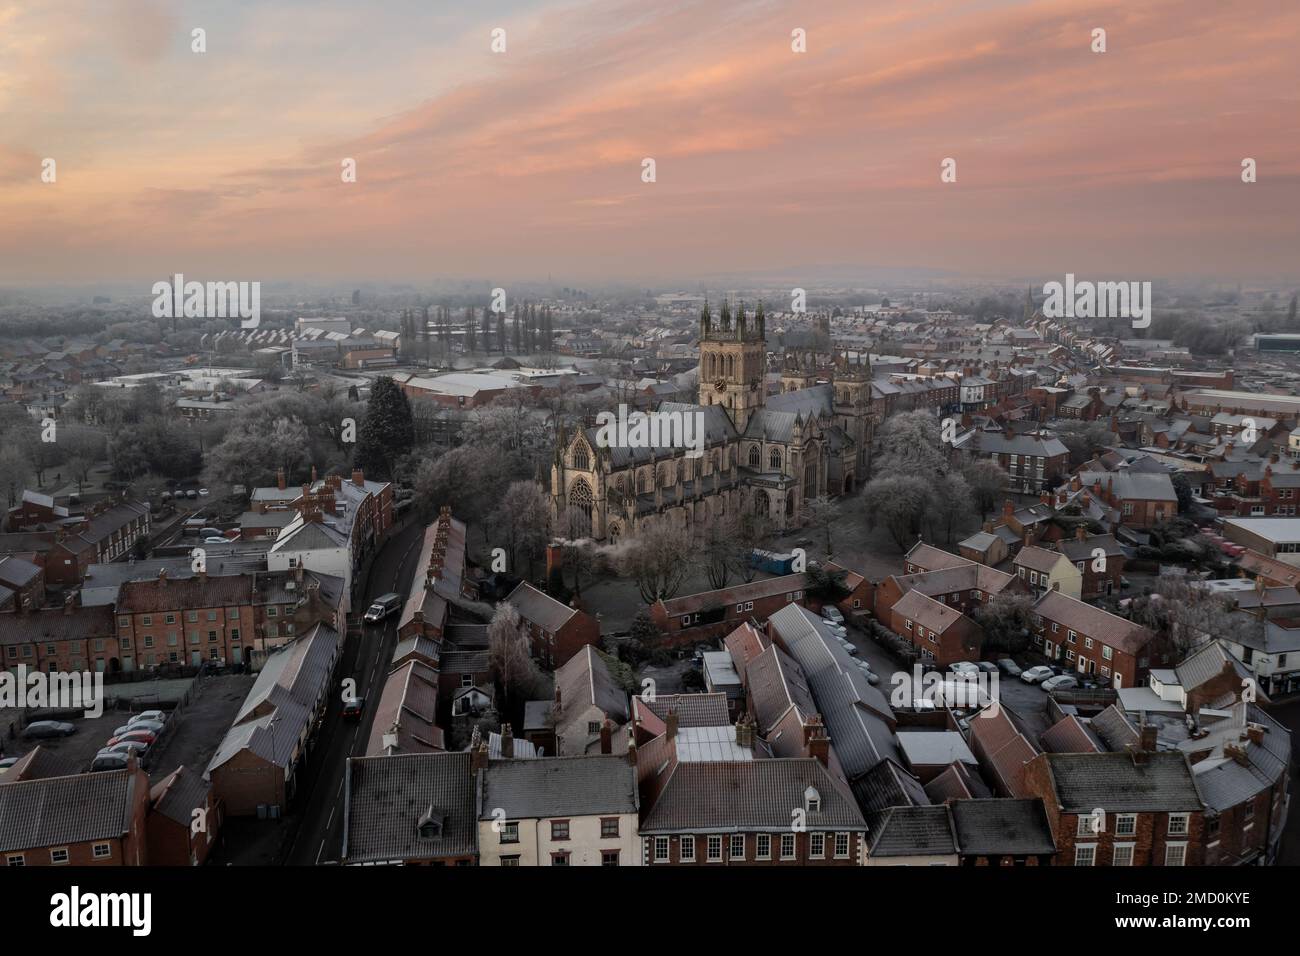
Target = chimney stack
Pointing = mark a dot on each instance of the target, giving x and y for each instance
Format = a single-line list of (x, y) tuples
[(279, 479), (607, 736), (359, 478), (479, 759), (819, 745), (554, 559), (631, 746), (671, 722), (1081, 532), (1008, 508)]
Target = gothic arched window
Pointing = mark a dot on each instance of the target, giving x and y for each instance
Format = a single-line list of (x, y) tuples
[(755, 457), (774, 459), (580, 459), (640, 482), (580, 505)]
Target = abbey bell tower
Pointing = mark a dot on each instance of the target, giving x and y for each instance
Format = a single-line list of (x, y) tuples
[(733, 361)]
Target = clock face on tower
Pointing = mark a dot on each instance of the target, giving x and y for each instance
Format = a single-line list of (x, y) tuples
[(720, 385)]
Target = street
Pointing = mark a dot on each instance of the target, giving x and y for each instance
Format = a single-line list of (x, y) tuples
[(317, 826)]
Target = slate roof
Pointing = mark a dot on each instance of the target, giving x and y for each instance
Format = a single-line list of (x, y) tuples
[(585, 679), (57, 811), (752, 795), (1161, 782), (1070, 735), (179, 795), (1223, 782), (1206, 664), (410, 699), (913, 831), (1115, 729), (539, 608), (693, 710), (1007, 826), (1127, 485), (930, 558), (386, 797), (776, 683), (559, 787)]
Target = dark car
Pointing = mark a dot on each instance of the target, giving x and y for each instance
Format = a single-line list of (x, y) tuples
[(353, 708), (48, 728)]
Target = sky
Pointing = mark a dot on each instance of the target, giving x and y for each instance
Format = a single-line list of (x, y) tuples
[(227, 165)]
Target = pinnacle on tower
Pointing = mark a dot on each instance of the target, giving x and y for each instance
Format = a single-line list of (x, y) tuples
[(725, 316), (706, 321), (740, 320)]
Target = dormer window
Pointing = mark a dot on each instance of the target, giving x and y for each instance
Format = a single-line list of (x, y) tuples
[(812, 800), (430, 825)]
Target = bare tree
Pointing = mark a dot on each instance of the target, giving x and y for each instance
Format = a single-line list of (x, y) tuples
[(658, 560), (522, 521), (508, 656), (821, 513)]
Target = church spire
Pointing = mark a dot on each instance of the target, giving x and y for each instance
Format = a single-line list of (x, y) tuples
[(760, 321)]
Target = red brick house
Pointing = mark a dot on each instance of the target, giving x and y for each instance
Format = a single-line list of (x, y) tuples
[(1092, 641), (938, 632), (710, 614), (184, 819), (1139, 808), (1082, 550), (93, 819), (555, 631)]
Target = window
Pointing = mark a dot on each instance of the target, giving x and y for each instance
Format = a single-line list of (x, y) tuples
[(909, 625), (661, 850), (123, 622), (1084, 825), (1106, 652), (59, 856), (763, 847), (841, 846), (1073, 637), (270, 612), (816, 845), (1126, 824), (714, 853), (609, 857), (1055, 627), (688, 849), (559, 829), (15, 859), (1122, 855), (1087, 643), (1249, 808), (608, 827), (510, 861), (102, 851), (1177, 824), (510, 833), (146, 620), (1085, 855), (1175, 854), (466, 680), (560, 859), (738, 846), (787, 846)]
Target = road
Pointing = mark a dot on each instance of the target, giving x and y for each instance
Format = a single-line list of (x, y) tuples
[(318, 804), (1288, 714)]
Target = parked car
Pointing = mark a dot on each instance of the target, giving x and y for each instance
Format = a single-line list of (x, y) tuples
[(964, 668), (157, 716), (211, 533), (988, 667), (41, 729), (1036, 674), (108, 761), (203, 492), (153, 726), (352, 709), (832, 613), (7, 762), (143, 736), (1060, 682), (1009, 667), (125, 747)]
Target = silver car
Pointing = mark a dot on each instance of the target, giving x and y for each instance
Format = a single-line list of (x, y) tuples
[(41, 729)]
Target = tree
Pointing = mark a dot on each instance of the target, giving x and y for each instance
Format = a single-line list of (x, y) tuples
[(827, 586), (950, 502), (911, 443), (1183, 489), (387, 432), (821, 513), (1005, 620), (522, 521), (718, 554), (751, 531), (15, 469), (987, 483), (1084, 439), (658, 559), (899, 502), (512, 666)]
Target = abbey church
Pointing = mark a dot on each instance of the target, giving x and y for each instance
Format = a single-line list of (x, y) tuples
[(763, 454)]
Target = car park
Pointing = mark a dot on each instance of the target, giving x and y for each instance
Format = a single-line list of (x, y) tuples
[(1059, 682), (1035, 675), (41, 729)]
